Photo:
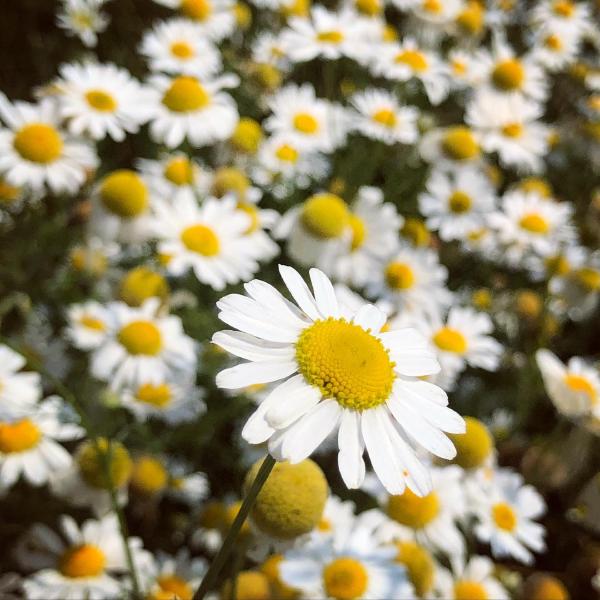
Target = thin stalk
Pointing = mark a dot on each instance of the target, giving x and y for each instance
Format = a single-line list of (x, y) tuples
[(238, 563), (227, 545)]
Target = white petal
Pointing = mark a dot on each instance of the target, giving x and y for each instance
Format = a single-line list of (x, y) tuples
[(254, 372), (324, 294), (250, 347), (370, 317), (350, 456), (298, 399), (299, 291)]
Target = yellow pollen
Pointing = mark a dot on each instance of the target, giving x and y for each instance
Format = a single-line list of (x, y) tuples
[(92, 457), (459, 143), (414, 59), (38, 143), (385, 117), (460, 202), (325, 215), (512, 130), (200, 239), (588, 278), (459, 67), (101, 101), (433, 6), (419, 565), (581, 385), (504, 516), (177, 587), (346, 363), (155, 395), (306, 123), (148, 475), (124, 193), (19, 436), (369, 7), (252, 212), (186, 94), (82, 561), (180, 171), (553, 42), (399, 276), (141, 338), (141, 283), (534, 223), (450, 340), (508, 75), (563, 8), (324, 525), (247, 135), (359, 232), (471, 18), (182, 50), (469, 590), (330, 37), (92, 323), (287, 153), (345, 579), (199, 10), (413, 511)]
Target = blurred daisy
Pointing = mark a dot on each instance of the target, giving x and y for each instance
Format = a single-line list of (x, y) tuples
[(475, 579), (173, 576), (450, 147), (84, 19), (456, 202), (29, 445), (460, 66), (174, 172), (35, 153), (379, 116), (260, 245), (563, 15), (142, 346), (555, 49), (19, 391), (193, 109), (179, 46), (88, 324), (365, 391), (209, 239)]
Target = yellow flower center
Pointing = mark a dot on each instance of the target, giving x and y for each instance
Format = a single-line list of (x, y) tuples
[(416, 60), (581, 385), (471, 19), (324, 525), (415, 231), (252, 212), (249, 585), (325, 215), (92, 323), (101, 101), (142, 283), (93, 458), (230, 179), (359, 231), (201, 239), (588, 278), (534, 223), (385, 117), (434, 7), (38, 143), (345, 579), (180, 171), (508, 75), (186, 94), (419, 565), (182, 50), (536, 185), (141, 338), (247, 135), (458, 67), (287, 153), (8, 193), (413, 511), (306, 123), (177, 588), (474, 446), (281, 591), (513, 130), (399, 276), (369, 7), (563, 8), (82, 561), (450, 340), (460, 202), (553, 42), (155, 395), (148, 475), (198, 10), (330, 37), (19, 436), (124, 193), (469, 590), (459, 143), (504, 516), (346, 363)]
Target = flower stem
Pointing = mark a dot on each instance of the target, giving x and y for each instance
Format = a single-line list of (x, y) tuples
[(227, 545)]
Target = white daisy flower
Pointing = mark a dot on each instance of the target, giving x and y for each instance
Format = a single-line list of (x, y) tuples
[(19, 391), (142, 346), (555, 49), (29, 445), (510, 126), (82, 563), (563, 15), (179, 46), (311, 122), (84, 19), (193, 109), (436, 13), (209, 239), (456, 202), (260, 245), (88, 323), (460, 67), (35, 153), (573, 388), (364, 391), (451, 147), (379, 116), (506, 512), (337, 516), (101, 100)]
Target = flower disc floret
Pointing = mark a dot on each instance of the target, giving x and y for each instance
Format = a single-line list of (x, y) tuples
[(413, 511), (38, 143), (124, 193), (345, 578), (325, 216), (95, 458), (474, 446)]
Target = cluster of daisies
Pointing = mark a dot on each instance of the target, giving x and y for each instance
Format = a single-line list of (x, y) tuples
[(364, 195)]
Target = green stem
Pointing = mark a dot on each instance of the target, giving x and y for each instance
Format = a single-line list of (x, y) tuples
[(238, 562), (232, 534)]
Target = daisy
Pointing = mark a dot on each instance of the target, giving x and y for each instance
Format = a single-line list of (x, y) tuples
[(555, 49), (260, 245), (193, 109), (450, 147), (311, 122), (510, 126), (84, 19), (456, 202), (173, 172), (563, 15), (142, 346), (179, 46), (88, 323), (475, 579), (19, 391), (379, 116), (209, 239), (460, 67), (506, 512), (36, 153), (573, 388), (29, 445), (80, 563), (372, 372)]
